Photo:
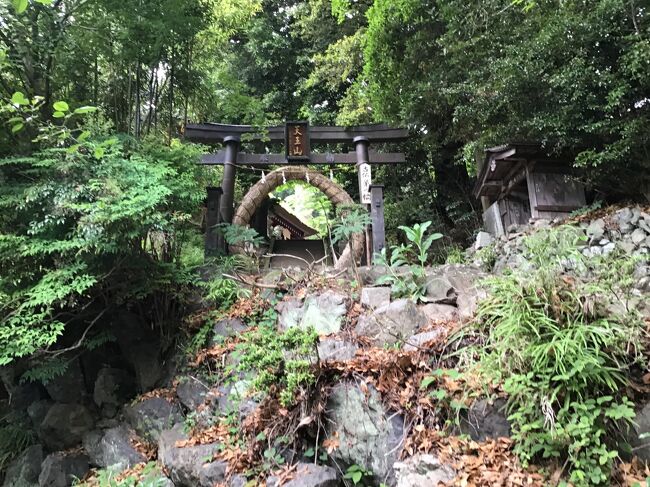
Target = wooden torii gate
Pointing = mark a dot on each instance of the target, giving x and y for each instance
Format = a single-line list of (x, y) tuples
[(298, 139)]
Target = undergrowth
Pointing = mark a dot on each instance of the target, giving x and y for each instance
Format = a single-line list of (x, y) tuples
[(282, 361), (562, 354)]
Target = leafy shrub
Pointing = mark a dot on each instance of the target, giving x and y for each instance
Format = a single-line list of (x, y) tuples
[(414, 284), (89, 227), (562, 354), (279, 359)]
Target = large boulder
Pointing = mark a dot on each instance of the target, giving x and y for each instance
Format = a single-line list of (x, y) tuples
[(440, 312), (141, 348), (422, 470), (419, 341), (439, 290), (153, 415), (324, 312), (309, 475), (227, 328), (485, 420), (113, 387), (375, 297), (112, 448), (25, 469), (368, 435), (60, 469), (64, 426), (190, 466), (391, 324), (38, 410), (191, 392), (635, 434), (331, 349), (68, 387)]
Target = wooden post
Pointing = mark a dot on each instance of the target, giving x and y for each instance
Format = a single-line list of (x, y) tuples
[(228, 182), (364, 173), (377, 216), (213, 240)]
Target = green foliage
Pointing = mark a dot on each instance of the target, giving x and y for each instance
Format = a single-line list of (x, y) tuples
[(280, 359), (479, 70), (150, 476), (562, 354), (350, 219), (357, 475), (82, 231), (415, 254), (486, 257), (455, 255), (15, 436), (240, 236)]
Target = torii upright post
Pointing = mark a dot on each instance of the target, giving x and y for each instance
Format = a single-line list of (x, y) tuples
[(364, 173), (229, 173)]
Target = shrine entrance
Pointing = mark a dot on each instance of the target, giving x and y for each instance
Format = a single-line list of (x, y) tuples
[(252, 203), (296, 163)]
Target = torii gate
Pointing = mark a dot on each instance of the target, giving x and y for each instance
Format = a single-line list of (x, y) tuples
[(298, 138)]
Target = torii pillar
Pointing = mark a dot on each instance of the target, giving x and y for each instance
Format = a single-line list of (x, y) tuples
[(226, 207)]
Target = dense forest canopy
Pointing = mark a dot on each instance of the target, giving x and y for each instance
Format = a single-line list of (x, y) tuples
[(96, 184)]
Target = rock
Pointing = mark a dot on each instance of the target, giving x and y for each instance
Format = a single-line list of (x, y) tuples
[(368, 435), (68, 387), (60, 469), (596, 230), (23, 395), (640, 426), (156, 478), (375, 297), (419, 341), (151, 416), (141, 349), (38, 410), (391, 324), (290, 313), (226, 328), (422, 470), (609, 248), (638, 236), (485, 420), (331, 349), (25, 469), (483, 239), (112, 448), (623, 216), (113, 387), (440, 290), (309, 475), (236, 397), (323, 311), (191, 392), (370, 275), (627, 247), (190, 466), (64, 426), (440, 312)]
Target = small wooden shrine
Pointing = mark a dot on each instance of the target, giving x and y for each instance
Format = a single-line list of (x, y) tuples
[(520, 182)]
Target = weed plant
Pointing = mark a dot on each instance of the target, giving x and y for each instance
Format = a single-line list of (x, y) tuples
[(415, 254), (561, 355)]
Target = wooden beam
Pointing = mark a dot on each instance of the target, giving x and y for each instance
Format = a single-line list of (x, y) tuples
[(215, 133), (280, 159)]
